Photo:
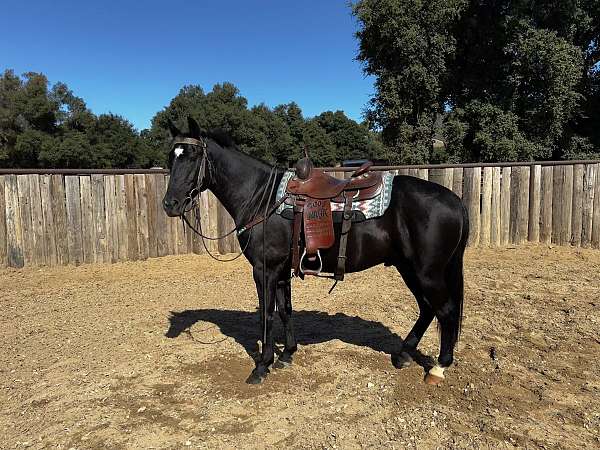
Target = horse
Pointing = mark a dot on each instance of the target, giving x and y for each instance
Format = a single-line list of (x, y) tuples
[(423, 234)]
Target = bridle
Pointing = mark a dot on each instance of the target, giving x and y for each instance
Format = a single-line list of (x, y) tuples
[(191, 201), (190, 198)]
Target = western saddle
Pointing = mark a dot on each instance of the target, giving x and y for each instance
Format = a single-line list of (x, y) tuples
[(312, 191)]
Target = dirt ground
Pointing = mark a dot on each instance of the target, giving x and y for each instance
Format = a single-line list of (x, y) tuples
[(154, 355)]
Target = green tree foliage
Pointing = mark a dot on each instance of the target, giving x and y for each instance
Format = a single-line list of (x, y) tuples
[(48, 126), (51, 127), (277, 135), (512, 79)]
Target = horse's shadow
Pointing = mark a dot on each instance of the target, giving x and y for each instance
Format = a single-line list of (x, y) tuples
[(311, 327)]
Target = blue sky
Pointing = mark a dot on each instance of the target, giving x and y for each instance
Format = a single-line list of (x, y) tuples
[(131, 58)]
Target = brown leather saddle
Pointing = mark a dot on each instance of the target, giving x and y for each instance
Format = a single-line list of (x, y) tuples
[(312, 191)]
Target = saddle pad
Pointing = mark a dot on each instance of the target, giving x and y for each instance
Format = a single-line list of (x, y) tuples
[(369, 209)]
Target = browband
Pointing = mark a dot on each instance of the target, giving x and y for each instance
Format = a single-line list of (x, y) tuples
[(190, 141)]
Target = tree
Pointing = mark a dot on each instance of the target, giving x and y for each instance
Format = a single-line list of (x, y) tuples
[(406, 45), (531, 66)]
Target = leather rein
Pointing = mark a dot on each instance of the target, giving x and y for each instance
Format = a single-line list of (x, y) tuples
[(191, 199)]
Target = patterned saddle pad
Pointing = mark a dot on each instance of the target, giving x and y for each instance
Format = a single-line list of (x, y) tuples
[(361, 210)]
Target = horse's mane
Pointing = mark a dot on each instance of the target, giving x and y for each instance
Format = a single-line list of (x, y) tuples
[(224, 139), (221, 137)]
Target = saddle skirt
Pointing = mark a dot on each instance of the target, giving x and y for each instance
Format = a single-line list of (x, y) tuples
[(361, 209)]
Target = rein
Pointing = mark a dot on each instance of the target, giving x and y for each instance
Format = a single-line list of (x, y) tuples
[(192, 200)]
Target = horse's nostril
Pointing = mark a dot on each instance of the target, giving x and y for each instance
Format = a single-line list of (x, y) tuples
[(170, 203)]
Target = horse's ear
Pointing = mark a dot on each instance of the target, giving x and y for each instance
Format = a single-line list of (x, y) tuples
[(172, 128), (194, 127)]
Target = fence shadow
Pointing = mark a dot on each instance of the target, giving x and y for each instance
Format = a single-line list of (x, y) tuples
[(311, 327)]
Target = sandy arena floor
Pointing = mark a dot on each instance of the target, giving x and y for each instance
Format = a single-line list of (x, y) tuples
[(154, 354)]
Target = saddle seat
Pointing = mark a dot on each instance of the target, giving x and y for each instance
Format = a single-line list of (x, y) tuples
[(320, 185)]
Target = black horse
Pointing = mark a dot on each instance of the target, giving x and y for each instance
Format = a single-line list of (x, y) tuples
[(423, 234)]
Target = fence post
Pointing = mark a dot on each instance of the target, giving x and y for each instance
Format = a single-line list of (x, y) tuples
[(546, 205), (472, 200), (535, 185), (486, 208)]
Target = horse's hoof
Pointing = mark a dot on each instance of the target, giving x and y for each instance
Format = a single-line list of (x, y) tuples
[(435, 376), (255, 378), (280, 364), (402, 360), (432, 380)]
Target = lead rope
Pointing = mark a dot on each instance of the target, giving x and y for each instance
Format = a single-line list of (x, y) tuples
[(264, 224)]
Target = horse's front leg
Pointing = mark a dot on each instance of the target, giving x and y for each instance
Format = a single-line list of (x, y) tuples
[(266, 299), (284, 307)]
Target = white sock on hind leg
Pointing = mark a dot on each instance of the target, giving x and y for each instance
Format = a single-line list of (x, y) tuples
[(437, 371)]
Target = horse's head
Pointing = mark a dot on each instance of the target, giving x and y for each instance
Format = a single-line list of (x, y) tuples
[(188, 170)]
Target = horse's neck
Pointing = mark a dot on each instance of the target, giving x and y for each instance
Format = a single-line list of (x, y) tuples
[(238, 182)]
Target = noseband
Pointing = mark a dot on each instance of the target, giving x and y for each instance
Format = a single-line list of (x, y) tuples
[(189, 199)]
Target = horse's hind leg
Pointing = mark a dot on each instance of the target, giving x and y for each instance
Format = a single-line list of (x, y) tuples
[(404, 358), (448, 313), (284, 307)]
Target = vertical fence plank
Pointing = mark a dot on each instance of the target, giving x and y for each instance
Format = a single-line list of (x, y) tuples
[(74, 237), (596, 211), (535, 184), (3, 237), (472, 200), (25, 210), (162, 247), (59, 211), (88, 227), (225, 224), (495, 210), (441, 176), (505, 205), (171, 229), (577, 202), (423, 174), (14, 228), (212, 220), (413, 172), (567, 205), (588, 204), (447, 178), (151, 204), (557, 204), (103, 253), (457, 181), (122, 226), (49, 230), (486, 208), (133, 251), (437, 176), (546, 204), (142, 215), (37, 220), (519, 205), (110, 214)]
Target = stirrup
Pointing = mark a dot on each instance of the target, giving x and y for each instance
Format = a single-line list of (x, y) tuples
[(311, 271)]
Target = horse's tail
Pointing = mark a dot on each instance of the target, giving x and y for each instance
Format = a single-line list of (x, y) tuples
[(454, 275)]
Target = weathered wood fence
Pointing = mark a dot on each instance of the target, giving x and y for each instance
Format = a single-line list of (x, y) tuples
[(79, 216)]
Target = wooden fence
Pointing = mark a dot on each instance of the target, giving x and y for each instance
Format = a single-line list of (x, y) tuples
[(56, 217), (52, 219)]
